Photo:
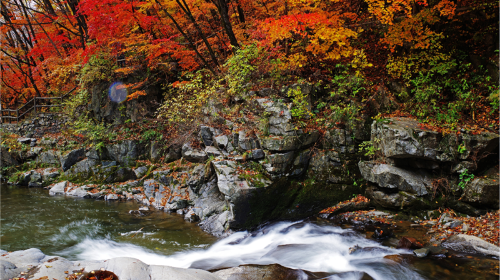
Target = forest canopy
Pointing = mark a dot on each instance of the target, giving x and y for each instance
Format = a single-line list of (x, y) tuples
[(440, 53)]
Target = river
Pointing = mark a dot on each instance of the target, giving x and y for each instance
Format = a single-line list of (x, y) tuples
[(85, 229)]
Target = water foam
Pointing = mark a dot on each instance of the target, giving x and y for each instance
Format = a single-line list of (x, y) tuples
[(296, 245)]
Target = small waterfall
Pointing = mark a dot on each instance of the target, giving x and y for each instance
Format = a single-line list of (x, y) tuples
[(297, 245)]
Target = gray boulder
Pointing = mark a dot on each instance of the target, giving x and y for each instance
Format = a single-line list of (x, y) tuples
[(279, 164), (193, 155), (49, 173), (50, 157), (399, 200), (58, 188), (482, 192), (471, 245), (35, 180), (25, 140), (212, 151), (125, 153), (82, 170), (289, 142), (387, 176), (71, 158), (279, 116), (404, 138), (78, 192), (155, 151), (124, 174), (141, 171)]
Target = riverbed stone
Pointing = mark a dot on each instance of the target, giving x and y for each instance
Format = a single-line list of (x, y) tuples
[(261, 272), (421, 253), (471, 245), (58, 188), (78, 192), (388, 176), (71, 158)]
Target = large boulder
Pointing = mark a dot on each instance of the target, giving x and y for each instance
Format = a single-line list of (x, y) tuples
[(71, 158), (387, 176), (406, 138), (399, 200), (471, 244), (50, 157), (482, 192), (58, 188), (82, 170)]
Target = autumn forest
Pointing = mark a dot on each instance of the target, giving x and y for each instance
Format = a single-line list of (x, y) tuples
[(435, 59)]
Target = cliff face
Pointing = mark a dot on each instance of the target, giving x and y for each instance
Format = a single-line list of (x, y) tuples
[(241, 174)]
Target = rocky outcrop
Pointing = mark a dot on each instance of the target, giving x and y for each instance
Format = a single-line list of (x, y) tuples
[(193, 155), (125, 153), (413, 165)]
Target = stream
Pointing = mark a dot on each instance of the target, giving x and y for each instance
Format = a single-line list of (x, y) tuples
[(85, 229)]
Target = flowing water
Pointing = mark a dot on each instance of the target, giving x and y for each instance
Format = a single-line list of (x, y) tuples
[(82, 229)]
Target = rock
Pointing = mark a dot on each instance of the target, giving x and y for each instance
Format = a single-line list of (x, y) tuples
[(9, 270), (408, 243), (125, 153), (58, 188), (141, 171), (393, 200), (404, 138), (206, 135), (464, 208), (288, 142), (155, 151), (381, 234), (174, 152), (221, 141), (49, 173), (34, 152), (71, 158), (98, 154), (421, 253), (82, 170), (279, 116), (6, 158), (261, 272), (471, 245), (35, 180), (217, 224), (124, 174), (388, 176), (78, 192), (25, 140), (482, 192), (258, 154), (49, 142), (247, 141), (50, 157), (212, 151), (191, 216), (24, 259), (193, 155), (279, 164), (112, 196)]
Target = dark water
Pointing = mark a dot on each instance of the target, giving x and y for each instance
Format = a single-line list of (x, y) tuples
[(31, 218), (85, 229)]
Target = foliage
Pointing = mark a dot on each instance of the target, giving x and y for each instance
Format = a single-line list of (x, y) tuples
[(301, 104), (368, 148), (465, 177)]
